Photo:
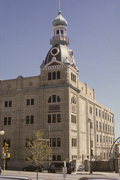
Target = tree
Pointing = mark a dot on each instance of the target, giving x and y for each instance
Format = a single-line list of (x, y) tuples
[(38, 149)]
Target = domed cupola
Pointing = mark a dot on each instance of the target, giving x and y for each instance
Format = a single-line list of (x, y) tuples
[(60, 52), (60, 30), (59, 20)]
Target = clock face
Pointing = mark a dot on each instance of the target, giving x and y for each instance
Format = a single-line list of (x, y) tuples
[(54, 51)]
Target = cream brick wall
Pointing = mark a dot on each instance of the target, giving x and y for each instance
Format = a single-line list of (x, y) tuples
[(40, 89)]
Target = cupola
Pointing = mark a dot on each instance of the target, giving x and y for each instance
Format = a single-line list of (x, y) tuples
[(60, 30)]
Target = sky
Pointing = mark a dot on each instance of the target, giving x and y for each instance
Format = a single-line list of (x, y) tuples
[(94, 34)]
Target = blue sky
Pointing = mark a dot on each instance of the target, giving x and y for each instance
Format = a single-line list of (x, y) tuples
[(94, 33)]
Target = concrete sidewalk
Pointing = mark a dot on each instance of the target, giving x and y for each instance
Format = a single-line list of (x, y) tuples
[(108, 174)]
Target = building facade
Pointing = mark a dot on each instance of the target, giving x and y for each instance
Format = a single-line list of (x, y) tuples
[(59, 104)]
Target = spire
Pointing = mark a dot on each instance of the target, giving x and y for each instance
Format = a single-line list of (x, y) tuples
[(59, 11)]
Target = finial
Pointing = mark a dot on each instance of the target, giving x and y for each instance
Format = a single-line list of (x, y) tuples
[(59, 12)]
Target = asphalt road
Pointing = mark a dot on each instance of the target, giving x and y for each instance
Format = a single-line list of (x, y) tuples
[(55, 176)]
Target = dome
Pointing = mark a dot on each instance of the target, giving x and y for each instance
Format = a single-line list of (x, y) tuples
[(59, 20), (61, 53)]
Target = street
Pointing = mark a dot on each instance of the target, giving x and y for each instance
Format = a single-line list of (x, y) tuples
[(55, 176)]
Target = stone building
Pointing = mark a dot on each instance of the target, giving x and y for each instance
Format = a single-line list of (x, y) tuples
[(58, 103)]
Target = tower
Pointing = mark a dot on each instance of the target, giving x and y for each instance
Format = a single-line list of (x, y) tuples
[(59, 77)]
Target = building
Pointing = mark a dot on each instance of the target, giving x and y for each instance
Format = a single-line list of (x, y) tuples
[(58, 103)]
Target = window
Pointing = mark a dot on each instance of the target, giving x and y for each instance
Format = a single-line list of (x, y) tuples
[(74, 142), (58, 118), (73, 77), (29, 102), (58, 142), (99, 113), (54, 99), (54, 157), (32, 101), (54, 118), (54, 75), (7, 120), (100, 126), (96, 112), (97, 138), (55, 142), (49, 100), (57, 32), (8, 104), (97, 125), (73, 119), (58, 74), (103, 115), (49, 118), (49, 76), (90, 110), (61, 31), (58, 157), (30, 119)]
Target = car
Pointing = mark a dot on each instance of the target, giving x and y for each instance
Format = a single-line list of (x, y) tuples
[(58, 167), (33, 168), (4, 177), (81, 167)]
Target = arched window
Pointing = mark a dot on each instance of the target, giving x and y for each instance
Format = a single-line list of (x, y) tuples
[(49, 100), (54, 75), (58, 99), (62, 32), (49, 76), (57, 32), (53, 99), (58, 74)]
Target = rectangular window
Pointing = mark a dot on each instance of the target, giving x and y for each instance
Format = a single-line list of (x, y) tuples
[(29, 102), (74, 142), (27, 119), (54, 157), (49, 118), (90, 110), (58, 118), (97, 125), (58, 142), (54, 118), (73, 119), (58, 157), (32, 101), (30, 119), (53, 142), (8, 104), (7, 120)]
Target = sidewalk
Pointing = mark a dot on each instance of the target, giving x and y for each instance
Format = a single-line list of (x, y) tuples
[(108, 174)]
